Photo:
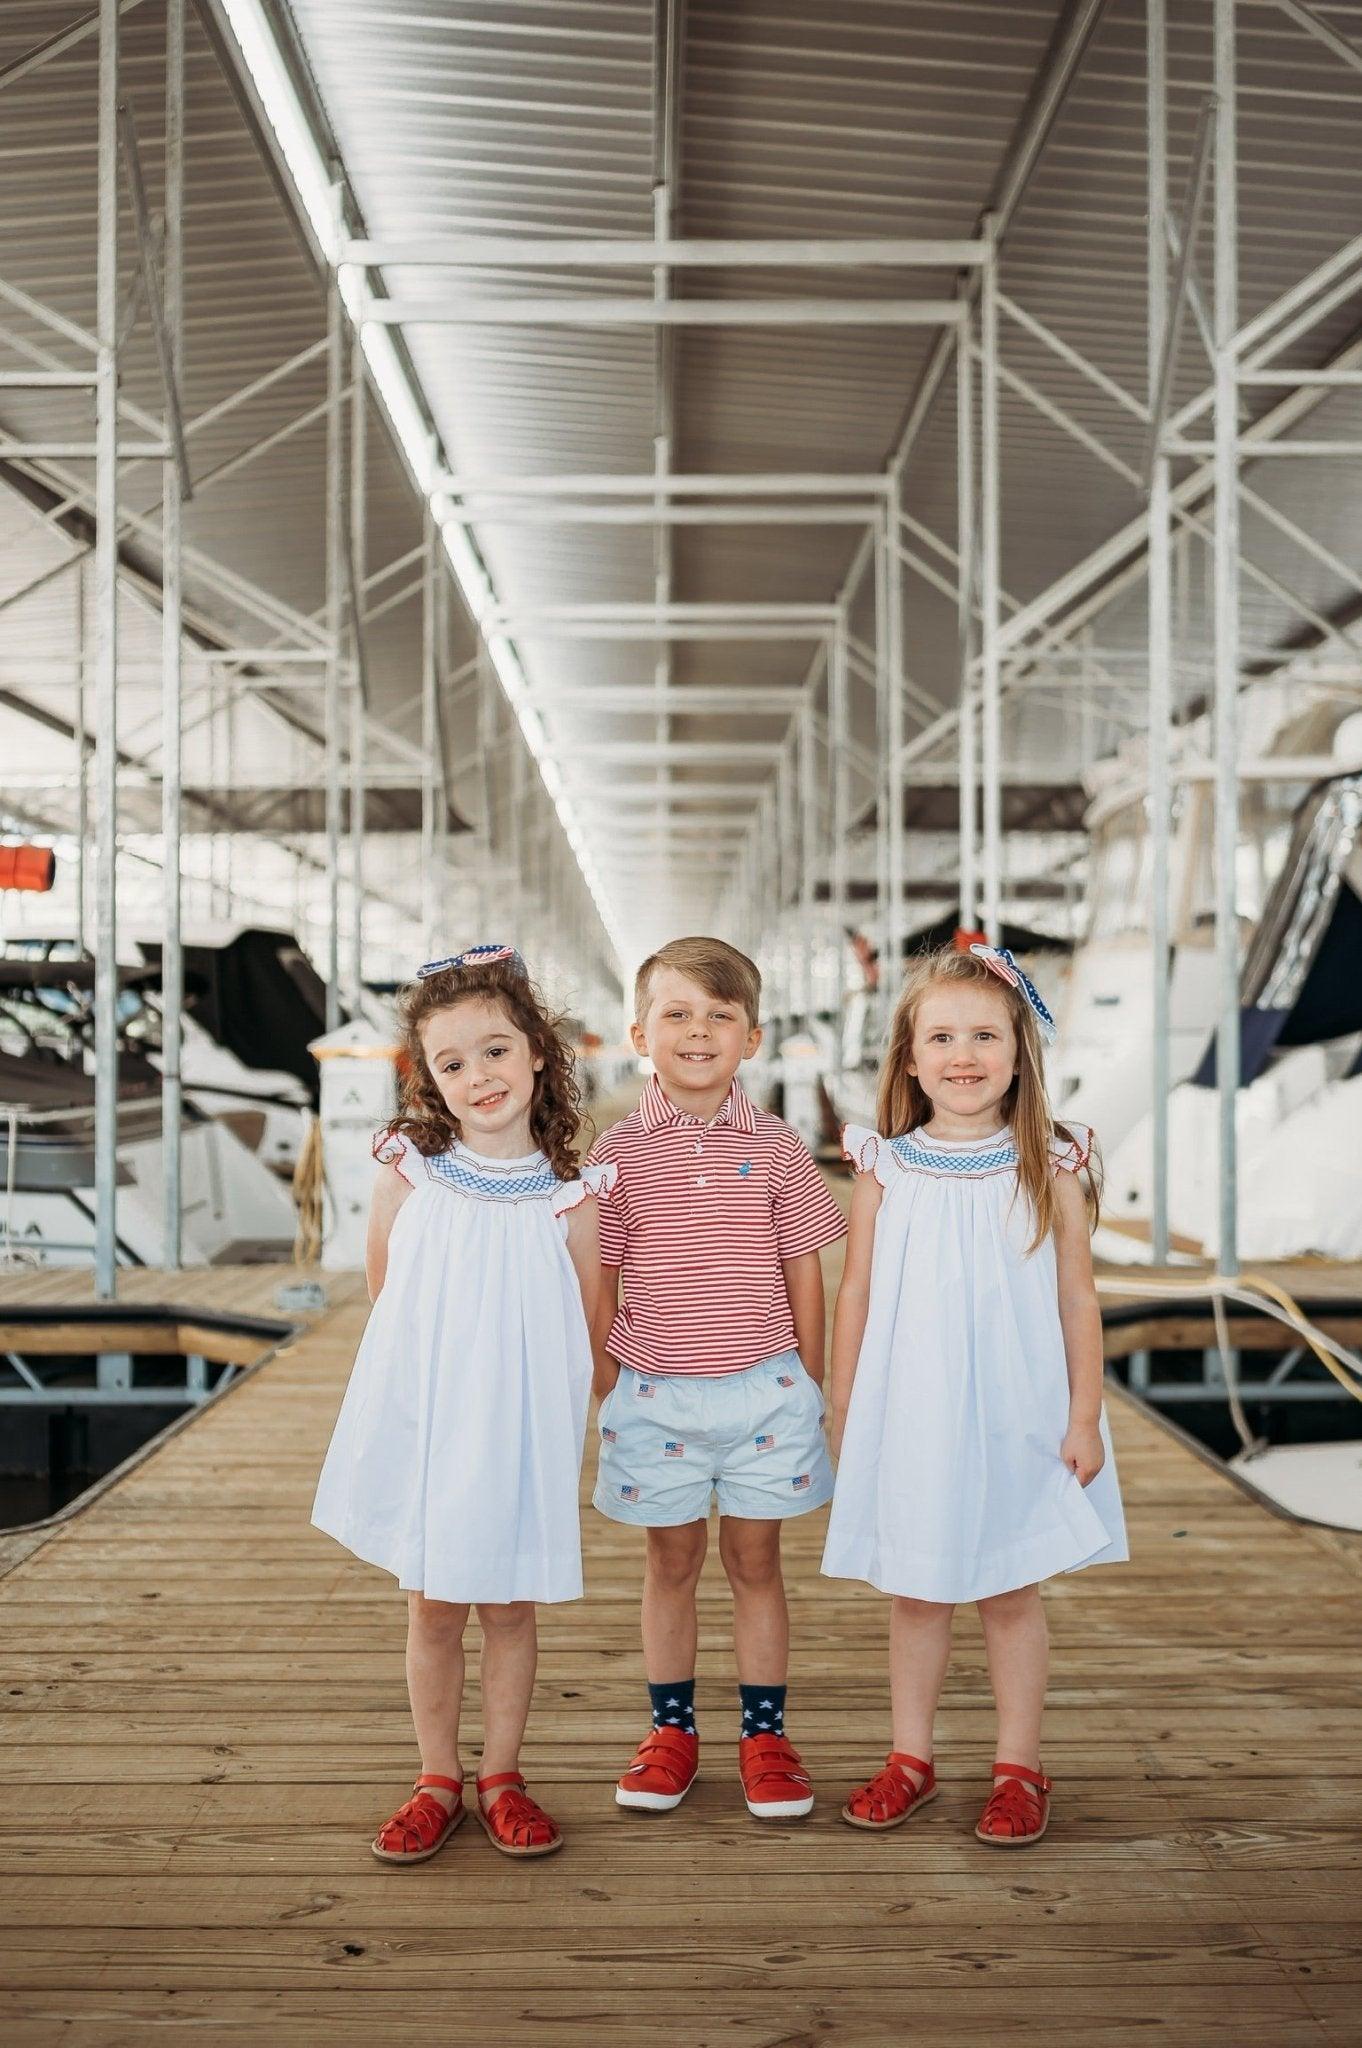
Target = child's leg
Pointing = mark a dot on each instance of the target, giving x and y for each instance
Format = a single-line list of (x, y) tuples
[(761, 1620), (671, 1574), (510, 1652), (435, 1684), (1018, 1646), (919, 1651)]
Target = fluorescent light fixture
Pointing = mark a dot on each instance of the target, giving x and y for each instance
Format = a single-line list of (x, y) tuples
[(261, 57)]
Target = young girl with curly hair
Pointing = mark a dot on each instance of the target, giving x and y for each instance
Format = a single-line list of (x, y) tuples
[(456, 1455), (974, 1459)]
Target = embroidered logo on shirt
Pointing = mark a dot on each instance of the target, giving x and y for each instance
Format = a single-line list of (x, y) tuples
[(801, 1482), (609, 1436), (628, 1493), (744, 1169), (645, 1390), (673, 1450), (765, 1443)]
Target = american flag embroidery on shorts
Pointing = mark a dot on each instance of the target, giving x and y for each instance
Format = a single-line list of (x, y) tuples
[(800, 1482), (784, 1379), (765, 1443), (645, 1390), (628, 1493), (609, 1436), (673, 1450)]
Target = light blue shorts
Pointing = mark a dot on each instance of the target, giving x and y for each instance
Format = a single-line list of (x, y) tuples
[(669, 1442)]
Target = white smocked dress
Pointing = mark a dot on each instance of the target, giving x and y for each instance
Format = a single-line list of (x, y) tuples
[(456, 1454), (950, 1485)]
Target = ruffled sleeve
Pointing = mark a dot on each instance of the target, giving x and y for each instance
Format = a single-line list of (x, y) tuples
[(1071, 1155), (868, 1152), (593, 1180), (392, 1149)]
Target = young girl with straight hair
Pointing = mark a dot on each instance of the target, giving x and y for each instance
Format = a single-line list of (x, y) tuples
[(456, 1455), (974, 1458)]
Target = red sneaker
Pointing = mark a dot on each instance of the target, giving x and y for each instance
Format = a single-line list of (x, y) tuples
[(774, 1781), (662, 1773)]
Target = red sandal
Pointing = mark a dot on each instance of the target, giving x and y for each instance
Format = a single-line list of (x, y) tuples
[(421, 1827), (891, 1796), (1018, 1809), (515, 1823)]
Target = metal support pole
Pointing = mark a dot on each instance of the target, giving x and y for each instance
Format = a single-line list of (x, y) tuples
[(335, 602), (1226, 615), (356, 565), (965, 524), (808, 849), (429, 892), (106, 661), (82, 772), (839, 736), (172, 474), (894, 719), (1160, 622), (991, 694), (889, 967)]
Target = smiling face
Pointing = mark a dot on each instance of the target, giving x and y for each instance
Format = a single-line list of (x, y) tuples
[(964, 1054), (696, 1041), (484, 1068)]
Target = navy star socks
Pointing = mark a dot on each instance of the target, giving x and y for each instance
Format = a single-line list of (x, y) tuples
[(674, 1705), (763, 1709)]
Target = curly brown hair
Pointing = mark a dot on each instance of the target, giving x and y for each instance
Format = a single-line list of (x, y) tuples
[(556, 1116)]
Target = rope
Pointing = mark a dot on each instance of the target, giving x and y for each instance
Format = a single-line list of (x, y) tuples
[(1269, 1299), (308, 1183)]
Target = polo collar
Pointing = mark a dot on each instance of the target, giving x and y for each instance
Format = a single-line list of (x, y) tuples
[(656, 1110)]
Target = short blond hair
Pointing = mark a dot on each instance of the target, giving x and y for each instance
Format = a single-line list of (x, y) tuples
[(719, 969)]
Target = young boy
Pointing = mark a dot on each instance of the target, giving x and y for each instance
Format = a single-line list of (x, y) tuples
[(710, 1368)]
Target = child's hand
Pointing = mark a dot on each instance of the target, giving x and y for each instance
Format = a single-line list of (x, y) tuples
[(1083, 1451)]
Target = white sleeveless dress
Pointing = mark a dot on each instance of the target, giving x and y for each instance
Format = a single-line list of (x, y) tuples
[(950, 1485), (456, 1454)]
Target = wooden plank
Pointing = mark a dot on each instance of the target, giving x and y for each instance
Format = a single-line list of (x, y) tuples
[(202, 1718)]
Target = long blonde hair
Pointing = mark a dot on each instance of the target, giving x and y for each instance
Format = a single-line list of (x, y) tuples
[(903, 1104)]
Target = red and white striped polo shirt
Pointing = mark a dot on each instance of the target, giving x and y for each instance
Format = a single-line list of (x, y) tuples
[(701, 1216)]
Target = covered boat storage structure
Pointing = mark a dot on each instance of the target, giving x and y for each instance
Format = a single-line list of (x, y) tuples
[(576, 473)]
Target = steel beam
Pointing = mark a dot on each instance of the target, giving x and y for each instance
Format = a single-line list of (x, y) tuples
[(768, 483), (174, 478), (1226, 619), (499, 252), (106, 659), (334, 514), (1160, 358), (621, 312), (990, 567), (966, 512)]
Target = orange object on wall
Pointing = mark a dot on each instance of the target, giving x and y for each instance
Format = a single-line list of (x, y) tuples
[(27, 867)]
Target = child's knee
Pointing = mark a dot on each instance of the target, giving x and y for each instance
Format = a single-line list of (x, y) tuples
[(921, 1613), (505, 1618), (441, 1620), (676, 1556), (1017, 1605), (751, 1553)]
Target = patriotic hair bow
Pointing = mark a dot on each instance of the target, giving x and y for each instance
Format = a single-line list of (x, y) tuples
[(476, 956), (999, 961)]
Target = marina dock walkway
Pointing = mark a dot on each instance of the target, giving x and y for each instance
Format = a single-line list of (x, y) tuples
[(204, 1718)]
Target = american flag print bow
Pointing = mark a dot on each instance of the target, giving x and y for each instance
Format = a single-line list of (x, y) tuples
[(999, 961), (476, 956)]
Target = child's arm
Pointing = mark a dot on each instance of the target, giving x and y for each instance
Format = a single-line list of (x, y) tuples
[(804, 1286), (584, 1249), (390, 1192), (606, 1369), (853, 1300), (1080, 1317)]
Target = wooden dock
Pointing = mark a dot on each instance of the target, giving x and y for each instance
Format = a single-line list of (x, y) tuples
[(204, 1718)]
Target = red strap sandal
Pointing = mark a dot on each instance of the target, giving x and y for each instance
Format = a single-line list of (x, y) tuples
[(890, 1796), (1018, 1810), (421, 1827), (515, 1823)]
